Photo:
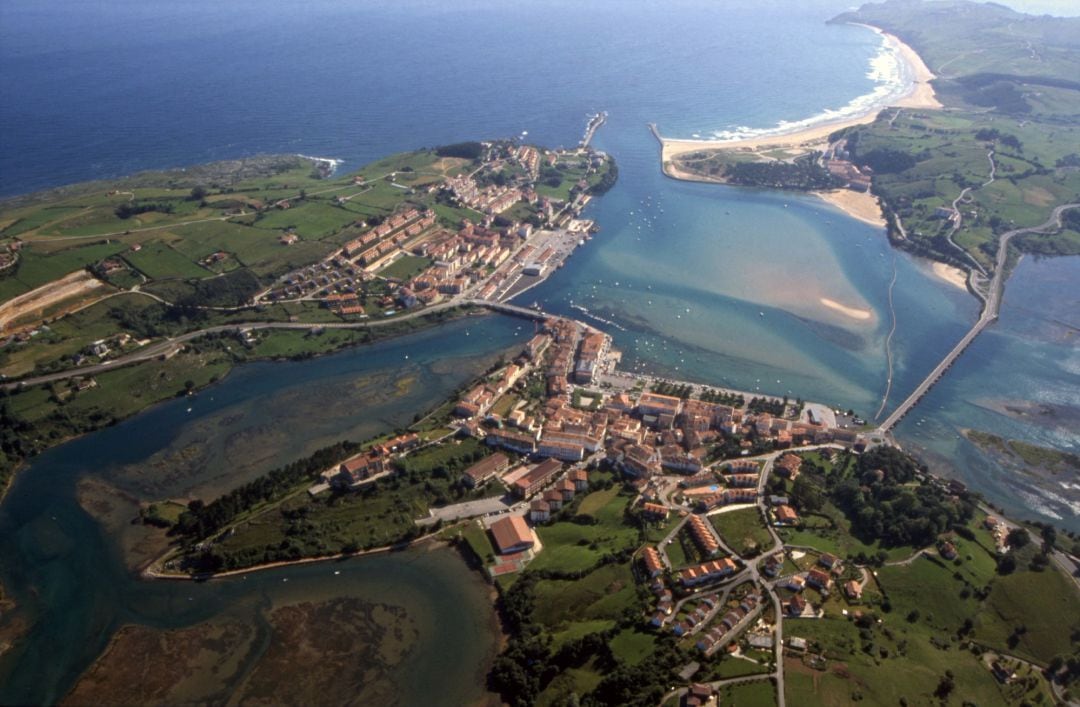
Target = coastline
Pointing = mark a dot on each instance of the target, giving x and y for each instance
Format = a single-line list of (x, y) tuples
[(427, 542), (950, 274), (861, 205), (918, 95)]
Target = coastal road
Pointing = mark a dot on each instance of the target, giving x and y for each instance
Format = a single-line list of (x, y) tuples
[(169, 345), (991, 308)]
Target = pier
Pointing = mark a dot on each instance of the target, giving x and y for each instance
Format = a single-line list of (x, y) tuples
[(989, 314)]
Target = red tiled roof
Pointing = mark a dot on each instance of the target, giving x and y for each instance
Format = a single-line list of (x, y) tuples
[(511, 532)]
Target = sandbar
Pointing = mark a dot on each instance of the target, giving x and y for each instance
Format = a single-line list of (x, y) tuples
[(853, 312)]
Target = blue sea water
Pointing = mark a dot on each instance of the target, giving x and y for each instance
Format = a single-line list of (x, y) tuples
[(101, 89), (704, 282)]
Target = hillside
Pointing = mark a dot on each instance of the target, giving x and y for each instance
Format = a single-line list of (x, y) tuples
[(1003, 152)]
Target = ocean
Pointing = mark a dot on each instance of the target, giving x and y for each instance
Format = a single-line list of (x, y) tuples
[(703, 282)]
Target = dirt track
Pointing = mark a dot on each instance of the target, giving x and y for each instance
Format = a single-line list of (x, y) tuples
[(27, 309)]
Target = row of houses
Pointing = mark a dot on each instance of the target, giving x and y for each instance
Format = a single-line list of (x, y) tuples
[(702, 536), (706, 572), (491, 200), (410, 222), (704, 608), (713, 639)]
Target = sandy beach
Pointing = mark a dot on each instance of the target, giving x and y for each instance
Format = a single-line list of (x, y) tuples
[(919, 96), (858, 204), (950, 274), (854, 313)]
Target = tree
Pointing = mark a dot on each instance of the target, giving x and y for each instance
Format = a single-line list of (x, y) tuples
[(1017, 538), (198, 193), (945, 686), (806, 495)]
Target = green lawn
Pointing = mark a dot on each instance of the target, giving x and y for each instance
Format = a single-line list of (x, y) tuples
[(1046, 603), (731, 667), (287, 342), (743, 530), (633, 645), (571, 547), (406, 267), (479, 541), (760, 693), (676, 553)]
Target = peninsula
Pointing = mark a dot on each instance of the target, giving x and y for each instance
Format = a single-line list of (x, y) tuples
[(174, 277)]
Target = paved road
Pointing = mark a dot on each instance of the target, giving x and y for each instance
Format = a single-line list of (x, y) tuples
[(989, 314), (163, 347)]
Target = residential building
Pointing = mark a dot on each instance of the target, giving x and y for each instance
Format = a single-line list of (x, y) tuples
[(786, 515), (650, 558), (818, 579), (539, 511), (580, 479), (707, 572), (654, 511), (514, 441), (484, 470), (701, 535), (656, 404), (537, 477)]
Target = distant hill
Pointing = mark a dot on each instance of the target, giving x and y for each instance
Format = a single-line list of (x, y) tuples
[(958, 38), (1006, 143)]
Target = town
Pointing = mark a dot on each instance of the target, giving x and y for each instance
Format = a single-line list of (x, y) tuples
[(514, 237), (729, 559)]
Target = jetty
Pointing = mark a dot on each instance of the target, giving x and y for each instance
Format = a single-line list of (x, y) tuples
[(590, 129)]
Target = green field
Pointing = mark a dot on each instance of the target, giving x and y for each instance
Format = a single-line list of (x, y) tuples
[(760, 693), (313, 220), (571, 547), (70, 335), (36, 268), (158, 261), (1044, 603), (406, 267), (743, 530)]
